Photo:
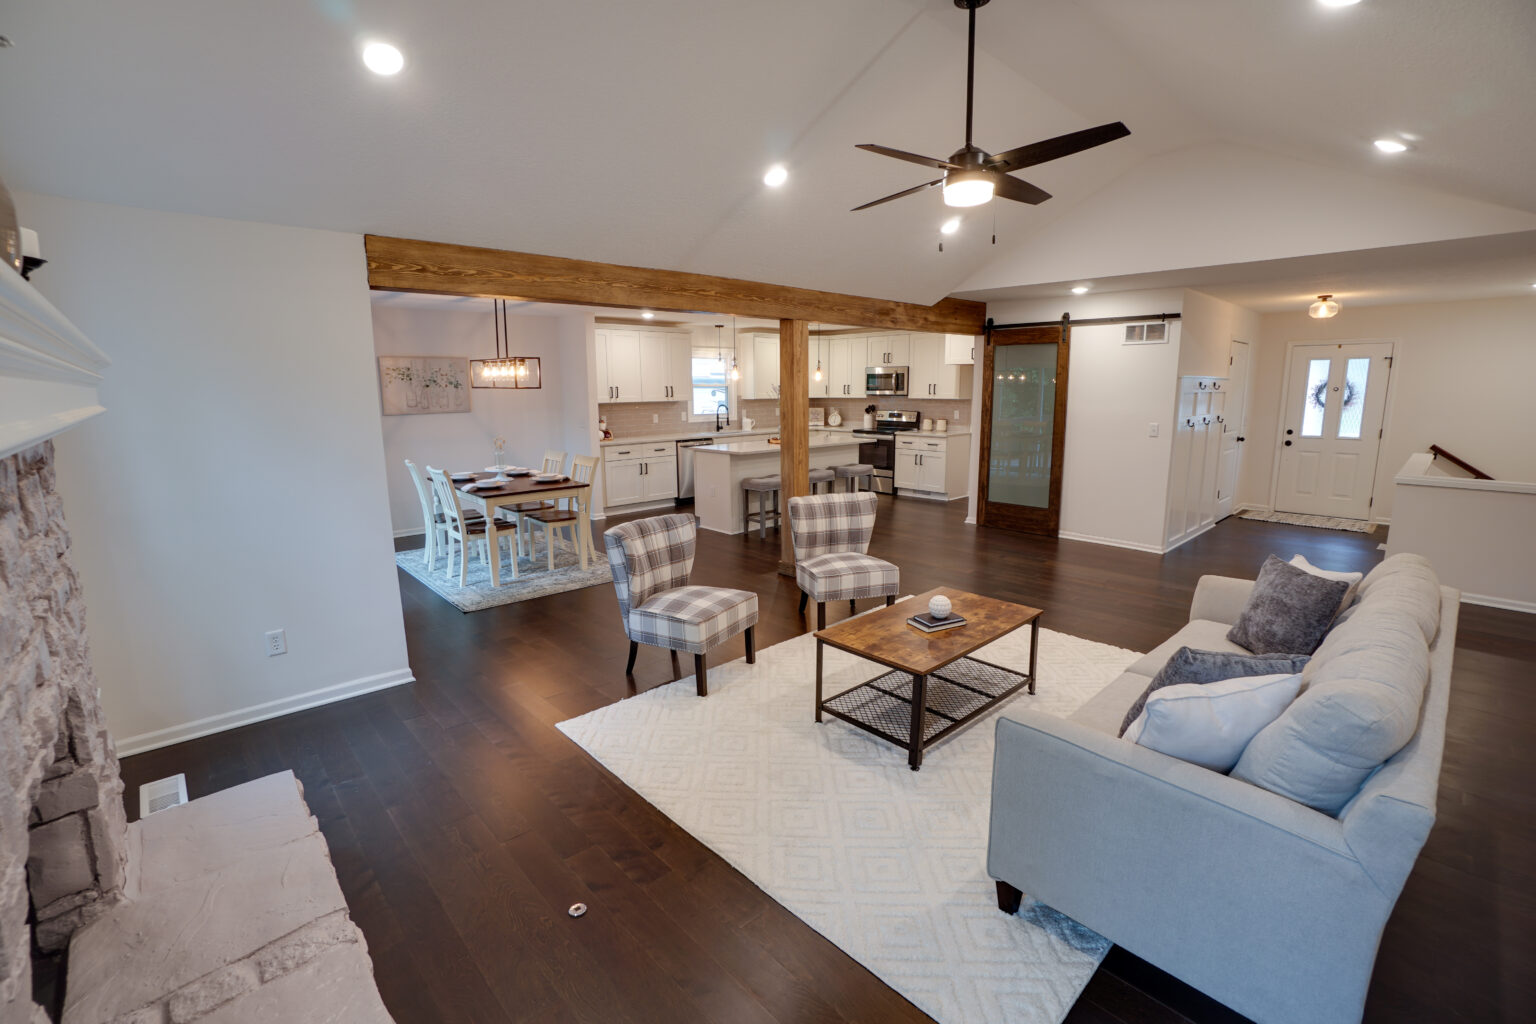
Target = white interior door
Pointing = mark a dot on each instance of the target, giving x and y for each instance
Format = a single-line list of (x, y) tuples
[(1234, 422), (1330, 430)]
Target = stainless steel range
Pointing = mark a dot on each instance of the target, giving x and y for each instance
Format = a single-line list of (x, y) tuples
[(877, 447)]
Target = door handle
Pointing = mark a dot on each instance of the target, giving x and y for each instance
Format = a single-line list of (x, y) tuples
[(1287, 444), (1289, 431), (1241, 439)]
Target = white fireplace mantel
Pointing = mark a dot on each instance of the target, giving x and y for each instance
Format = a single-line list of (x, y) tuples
[(49, 371)]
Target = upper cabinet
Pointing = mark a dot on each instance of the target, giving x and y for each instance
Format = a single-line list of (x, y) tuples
[(890, 350), (760, 379), (930, 375), (643, 366), (845, 366), (960, 349)]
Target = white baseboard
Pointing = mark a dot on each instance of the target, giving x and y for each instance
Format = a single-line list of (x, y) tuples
[(1382, 520), (261, 712), (1113, 542), (411, 531), (1507, 603), (1250, 508)]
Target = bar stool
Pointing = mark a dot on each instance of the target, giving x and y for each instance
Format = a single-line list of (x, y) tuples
[(855, 472), (762, 486), (819, 477)]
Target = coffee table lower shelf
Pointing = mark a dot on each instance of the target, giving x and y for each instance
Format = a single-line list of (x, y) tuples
[(952, 697)]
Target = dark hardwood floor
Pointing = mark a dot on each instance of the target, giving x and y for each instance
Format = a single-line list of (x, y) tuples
[(462, 824)]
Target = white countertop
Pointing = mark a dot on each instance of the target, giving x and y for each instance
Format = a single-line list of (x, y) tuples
[(675, 435), (764, 448)]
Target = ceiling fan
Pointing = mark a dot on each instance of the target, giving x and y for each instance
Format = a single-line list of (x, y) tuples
[(973, 176)]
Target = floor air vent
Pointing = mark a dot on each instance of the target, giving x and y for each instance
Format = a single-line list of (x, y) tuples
[(162, 793)]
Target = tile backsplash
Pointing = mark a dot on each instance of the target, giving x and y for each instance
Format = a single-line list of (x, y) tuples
[(633, 419), (929, 408)]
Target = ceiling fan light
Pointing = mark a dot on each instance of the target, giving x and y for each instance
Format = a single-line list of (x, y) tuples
[(970, 190), (1323, 308)]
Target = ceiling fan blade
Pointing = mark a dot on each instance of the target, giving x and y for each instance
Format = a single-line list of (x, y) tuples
[(1060, 146), (1007, 187), (916, 158), (898, 195)]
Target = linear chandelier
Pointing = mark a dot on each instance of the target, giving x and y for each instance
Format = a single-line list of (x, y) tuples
[(505, 370)]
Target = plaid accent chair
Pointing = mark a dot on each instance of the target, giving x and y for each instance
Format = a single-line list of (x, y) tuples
[(651, 561), (830, 533)]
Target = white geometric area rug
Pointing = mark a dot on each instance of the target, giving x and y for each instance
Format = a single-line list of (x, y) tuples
[(887, 863)]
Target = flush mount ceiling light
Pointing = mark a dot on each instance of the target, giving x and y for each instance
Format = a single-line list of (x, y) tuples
[(776, 175), (647, 315), (383, 59), (972, 176), (1323, 308), (1390, 145), (1081, 289), (1338, 3), (950, 226)]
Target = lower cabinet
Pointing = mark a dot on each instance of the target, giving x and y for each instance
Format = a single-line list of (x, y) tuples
[(925, 464), (639, 473)]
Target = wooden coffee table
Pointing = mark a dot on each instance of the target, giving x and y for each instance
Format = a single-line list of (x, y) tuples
[(934, 687)]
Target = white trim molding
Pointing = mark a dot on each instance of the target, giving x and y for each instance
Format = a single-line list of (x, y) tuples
[(1507, 603), (49, 371), (1155, 549), (261, 712)]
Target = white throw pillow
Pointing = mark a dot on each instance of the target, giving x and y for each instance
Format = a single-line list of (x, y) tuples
[(1352, 578), (1210, 724)]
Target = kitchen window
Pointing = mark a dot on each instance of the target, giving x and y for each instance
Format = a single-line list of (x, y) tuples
[(710, 387)]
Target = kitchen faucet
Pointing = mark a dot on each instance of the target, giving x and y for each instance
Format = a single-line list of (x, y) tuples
[(721, 422)]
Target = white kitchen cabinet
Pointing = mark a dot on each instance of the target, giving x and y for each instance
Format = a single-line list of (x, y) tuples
[(621, 482), (640, 472), (680, 345), (618, 365), (846, 367), (925, 466), (666, 366), (658, 478), (960, 349), (930, 375), (765, 366), (889, 350), (1195, 464)]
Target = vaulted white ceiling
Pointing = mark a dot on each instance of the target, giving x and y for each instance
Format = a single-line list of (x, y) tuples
[(637, 131)]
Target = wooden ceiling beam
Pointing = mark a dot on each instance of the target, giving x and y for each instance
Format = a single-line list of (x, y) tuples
[(410, 265)]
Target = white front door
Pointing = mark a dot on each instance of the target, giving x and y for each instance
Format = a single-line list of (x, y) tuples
[(1336, 396), (1234, 421)]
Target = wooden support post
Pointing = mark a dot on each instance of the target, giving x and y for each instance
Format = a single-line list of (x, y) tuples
[(794, 426)]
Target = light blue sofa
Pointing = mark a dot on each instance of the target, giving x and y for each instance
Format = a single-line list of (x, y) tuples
[(1266, 904)]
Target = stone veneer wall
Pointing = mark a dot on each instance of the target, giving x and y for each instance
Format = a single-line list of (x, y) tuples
[(62, 828)]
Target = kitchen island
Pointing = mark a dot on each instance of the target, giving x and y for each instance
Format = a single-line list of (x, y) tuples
[(719, 469)]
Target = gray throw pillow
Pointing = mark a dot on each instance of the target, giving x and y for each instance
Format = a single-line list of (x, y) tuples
[(1188, 665), (1288, 612)]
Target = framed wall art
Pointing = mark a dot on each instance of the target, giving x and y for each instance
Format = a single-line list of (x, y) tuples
[(413, 385)]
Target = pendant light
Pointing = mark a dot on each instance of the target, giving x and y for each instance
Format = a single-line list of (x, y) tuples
[(1323, 308), (817, 375), (504, 370), (735, 341)]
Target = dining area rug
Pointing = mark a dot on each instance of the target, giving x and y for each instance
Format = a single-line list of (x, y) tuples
[(535, 579), (887, 863)]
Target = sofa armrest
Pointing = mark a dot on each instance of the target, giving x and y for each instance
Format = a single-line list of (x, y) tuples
[(1220, 598)]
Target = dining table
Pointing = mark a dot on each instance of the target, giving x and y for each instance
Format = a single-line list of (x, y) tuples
[(517, 489)]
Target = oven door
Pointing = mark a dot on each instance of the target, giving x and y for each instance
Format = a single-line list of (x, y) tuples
[(885, 380), (879, 451)]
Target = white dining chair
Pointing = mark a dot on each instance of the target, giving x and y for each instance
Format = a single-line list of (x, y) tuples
[(462, 528), (568, 519), (432, 516), (554, 462)]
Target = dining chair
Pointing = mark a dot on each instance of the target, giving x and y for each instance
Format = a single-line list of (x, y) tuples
[(568, 519), (433, 517), (830, 534), (554, 462), (651, 561), (464, 529)]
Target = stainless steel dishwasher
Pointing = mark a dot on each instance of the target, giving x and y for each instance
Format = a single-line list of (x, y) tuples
[(685, 467)]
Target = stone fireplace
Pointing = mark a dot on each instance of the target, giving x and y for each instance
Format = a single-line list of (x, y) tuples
[(63, 848)]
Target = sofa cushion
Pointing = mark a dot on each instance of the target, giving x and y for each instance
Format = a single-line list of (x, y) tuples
[(1351, 578), (1289, 610), (1404, 584), (1209, 724), (1105, 709), (1201, 634), (1191, 666), (1361, 707)]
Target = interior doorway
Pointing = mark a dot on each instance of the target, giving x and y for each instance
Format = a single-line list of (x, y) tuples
[(1023, 428), (1330, 428), (1234, 425)]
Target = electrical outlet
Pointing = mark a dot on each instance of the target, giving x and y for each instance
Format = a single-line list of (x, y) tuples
[(1151, 429), (956, 416), (277, 642), (655, 418)]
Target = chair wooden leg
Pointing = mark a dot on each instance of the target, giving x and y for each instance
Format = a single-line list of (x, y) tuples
[(821, 615), (852, 608), (1008, 898), (701, 681), (762, 515), (634, 649), (804, 599), (751, 648), (890, 599)]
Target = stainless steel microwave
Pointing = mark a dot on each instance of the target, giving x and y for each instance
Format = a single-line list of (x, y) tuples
[(885, 380)]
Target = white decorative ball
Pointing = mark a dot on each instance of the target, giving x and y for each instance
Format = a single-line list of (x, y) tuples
[(938, 606)]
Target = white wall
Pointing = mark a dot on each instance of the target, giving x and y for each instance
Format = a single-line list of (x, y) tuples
[(532, 420), (1114, 477), (1461, 378), (236, 482)]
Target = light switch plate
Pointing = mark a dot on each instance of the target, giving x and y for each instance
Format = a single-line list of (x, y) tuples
[(1151, 429)]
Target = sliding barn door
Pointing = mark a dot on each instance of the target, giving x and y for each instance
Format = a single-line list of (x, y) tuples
[(1023, 429)]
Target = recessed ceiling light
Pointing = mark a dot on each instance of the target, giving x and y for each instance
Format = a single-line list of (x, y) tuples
[(383, 59), (1081, 289), (775, 176), (950, 226), (1338, 3), (647, 315), (1390, 145)]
